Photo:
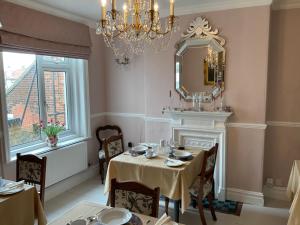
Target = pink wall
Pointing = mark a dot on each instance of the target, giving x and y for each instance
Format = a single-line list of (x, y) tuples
[(282, 143), (97, 92), (143, 87)]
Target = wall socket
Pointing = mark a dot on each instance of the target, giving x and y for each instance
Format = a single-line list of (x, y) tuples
[(270, 182)]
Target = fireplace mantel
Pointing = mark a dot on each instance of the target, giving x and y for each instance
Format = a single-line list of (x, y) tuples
[(203, 130), (199, 119)]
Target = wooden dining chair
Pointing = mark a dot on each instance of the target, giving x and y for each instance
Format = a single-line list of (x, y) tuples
[(135, 197), (32, 170), (111, 145), (204, 184)]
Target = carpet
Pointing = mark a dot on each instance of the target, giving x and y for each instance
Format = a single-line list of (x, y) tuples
[(227, 206)]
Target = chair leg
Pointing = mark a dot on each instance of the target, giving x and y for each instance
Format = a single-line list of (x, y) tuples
[(108, 200), (101, 170), (201, 212), (212, 210), (167, 200)]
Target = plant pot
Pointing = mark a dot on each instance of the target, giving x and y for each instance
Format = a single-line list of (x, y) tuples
[(52, 141)]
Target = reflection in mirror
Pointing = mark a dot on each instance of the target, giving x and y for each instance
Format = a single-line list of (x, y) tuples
[(200, 63)]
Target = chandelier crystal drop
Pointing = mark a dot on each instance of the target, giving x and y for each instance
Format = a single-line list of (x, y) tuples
[(138, 25)]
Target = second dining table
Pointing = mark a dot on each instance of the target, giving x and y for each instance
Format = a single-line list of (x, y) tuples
[(174, 182), (293, 192), (22, 208)]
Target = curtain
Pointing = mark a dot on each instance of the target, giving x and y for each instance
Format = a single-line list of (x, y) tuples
[(28, 30)]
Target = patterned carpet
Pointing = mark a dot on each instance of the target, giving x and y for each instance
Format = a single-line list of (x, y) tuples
[(228, 207)]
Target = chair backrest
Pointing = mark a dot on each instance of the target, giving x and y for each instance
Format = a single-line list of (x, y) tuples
[(111, 141), (135, 197), (113, 146), (209, 163), (32, 170), (107, 131)]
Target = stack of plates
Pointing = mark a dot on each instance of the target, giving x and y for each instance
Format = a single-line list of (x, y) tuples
[(180, 154), (12, 188), (140, 149), (149, 145)]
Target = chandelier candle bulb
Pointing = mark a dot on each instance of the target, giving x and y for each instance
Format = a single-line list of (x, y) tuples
[(129, 4), (171, 7), (103, 9), (113, 3), (125, 14), (156, 12), (151, 4)]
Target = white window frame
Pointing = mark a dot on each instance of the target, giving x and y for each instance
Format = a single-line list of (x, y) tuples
[(78, 107)]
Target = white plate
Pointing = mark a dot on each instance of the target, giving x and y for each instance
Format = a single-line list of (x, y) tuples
[(174, 162), (78, 222), (11, 191), (139, 149), (180, 154), (114, 216)]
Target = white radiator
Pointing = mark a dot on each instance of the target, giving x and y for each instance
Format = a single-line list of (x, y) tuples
[(66, 162)]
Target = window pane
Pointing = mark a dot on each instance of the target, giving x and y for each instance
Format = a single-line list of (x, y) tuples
[(54, 59), (22, 98), (55, 94)]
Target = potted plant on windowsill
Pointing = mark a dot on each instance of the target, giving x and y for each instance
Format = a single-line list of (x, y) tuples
[(52, 129)]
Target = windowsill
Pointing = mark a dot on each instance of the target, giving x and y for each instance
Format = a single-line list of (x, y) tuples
[(60, 145)]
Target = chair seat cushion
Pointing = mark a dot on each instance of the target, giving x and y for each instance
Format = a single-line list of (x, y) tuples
[(101, 154), (207, 187)]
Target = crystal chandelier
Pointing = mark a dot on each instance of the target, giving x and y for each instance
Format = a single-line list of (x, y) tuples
[(129, 31)]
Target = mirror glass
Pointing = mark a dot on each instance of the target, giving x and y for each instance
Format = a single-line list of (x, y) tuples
[(199, 68)]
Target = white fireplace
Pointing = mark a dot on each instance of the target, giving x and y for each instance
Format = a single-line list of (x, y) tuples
[(203, 130)]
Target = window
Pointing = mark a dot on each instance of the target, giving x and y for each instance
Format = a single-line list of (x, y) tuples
[(41, 88)]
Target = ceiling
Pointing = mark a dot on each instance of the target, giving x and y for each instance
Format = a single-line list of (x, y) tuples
[(88, 11)]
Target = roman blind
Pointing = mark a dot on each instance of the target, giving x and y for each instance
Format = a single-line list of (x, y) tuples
[(28, 30)]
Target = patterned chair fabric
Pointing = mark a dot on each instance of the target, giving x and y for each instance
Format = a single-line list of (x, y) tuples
[(211, 160), (114, 148), (207, 188), (30, 171), (134, 202)]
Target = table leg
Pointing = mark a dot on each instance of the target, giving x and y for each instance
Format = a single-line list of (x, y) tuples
[(176, 210)]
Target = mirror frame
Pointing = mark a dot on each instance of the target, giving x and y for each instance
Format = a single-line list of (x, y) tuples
[(200, 33)]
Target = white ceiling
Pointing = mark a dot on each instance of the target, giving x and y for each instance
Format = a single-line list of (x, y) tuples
[(88, 11)]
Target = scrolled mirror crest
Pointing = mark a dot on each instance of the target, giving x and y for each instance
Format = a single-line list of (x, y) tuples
[(200, 28)]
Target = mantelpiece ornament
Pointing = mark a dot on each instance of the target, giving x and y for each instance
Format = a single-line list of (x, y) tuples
[(200, 28)]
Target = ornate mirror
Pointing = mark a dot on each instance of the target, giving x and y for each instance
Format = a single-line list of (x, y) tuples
[(200, 62)]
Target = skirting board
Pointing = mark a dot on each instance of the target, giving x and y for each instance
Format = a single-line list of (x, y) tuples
[(65, 185), (278, 193), (249, 197)]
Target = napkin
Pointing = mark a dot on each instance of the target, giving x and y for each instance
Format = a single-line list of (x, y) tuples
[(176, 161), (163, 220)]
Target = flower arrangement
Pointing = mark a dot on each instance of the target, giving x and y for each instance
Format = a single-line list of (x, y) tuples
[(52, 129)]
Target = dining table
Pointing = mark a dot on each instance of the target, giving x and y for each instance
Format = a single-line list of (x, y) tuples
[(84, 210), (22, 208), (174, 182), (293, 192)]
